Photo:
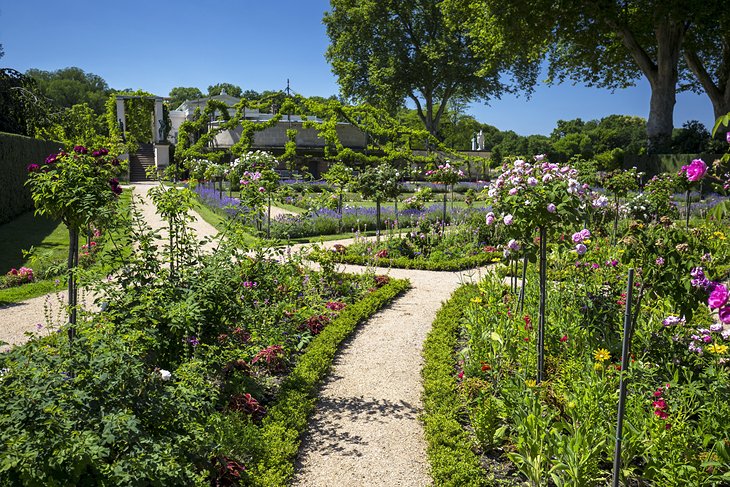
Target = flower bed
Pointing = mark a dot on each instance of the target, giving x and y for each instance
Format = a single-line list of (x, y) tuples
[(429, 246), (563, 428), (201, 369)]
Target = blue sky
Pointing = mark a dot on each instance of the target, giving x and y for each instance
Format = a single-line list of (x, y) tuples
[(157, 45)]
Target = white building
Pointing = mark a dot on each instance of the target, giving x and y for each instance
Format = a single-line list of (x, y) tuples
[(270, 138)]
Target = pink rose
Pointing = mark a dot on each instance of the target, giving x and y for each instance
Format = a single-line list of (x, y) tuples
[(508, 219), (696, 170), (718, 297)]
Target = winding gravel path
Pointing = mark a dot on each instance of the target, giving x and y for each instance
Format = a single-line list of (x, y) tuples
[(366, 431)]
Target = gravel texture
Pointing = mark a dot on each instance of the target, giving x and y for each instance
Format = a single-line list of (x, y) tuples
[(366, 430)]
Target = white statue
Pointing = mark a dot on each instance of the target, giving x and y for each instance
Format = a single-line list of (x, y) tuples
[(480, 140)]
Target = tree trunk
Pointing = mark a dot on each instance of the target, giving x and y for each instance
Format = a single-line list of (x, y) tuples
[(718, 91), (660, 124), (662, 76)]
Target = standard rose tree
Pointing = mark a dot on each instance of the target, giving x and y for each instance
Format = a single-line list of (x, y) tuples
[(77, 188)]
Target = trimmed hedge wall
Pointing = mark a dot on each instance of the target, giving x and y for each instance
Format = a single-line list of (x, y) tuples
[(16, 152), (451, 450), (459, 264), (286, 421)]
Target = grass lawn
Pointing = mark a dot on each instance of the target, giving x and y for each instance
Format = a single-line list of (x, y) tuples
[(49, 241)]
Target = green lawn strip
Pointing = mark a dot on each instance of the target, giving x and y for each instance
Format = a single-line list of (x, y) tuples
[(49, 241), (450, 449), (421, 264), (48, 238), (286, 421), (27, 291)]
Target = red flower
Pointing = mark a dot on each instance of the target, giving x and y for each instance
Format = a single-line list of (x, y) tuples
[(564, 338), (486, 367)]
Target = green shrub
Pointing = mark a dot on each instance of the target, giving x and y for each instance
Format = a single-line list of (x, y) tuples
[(16, 152), (450, 449)]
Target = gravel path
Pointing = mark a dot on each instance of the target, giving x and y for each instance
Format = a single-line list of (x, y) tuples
[(365, 431), (201, 228)]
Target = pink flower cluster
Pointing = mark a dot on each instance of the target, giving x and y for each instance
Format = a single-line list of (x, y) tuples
[(695, 171), (24, 274), (579, 238), (532, 183), (660, 405)]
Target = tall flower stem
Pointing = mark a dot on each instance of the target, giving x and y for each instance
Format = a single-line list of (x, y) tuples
[(446, 190), (521, 301), (543, 298), (73, 262), (688, 204)]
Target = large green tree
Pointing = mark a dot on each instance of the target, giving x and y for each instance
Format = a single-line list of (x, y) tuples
[(384, 52), (179, 94), (72, 86), (230, 89), (607, 43), (22, 107), (707, 55)]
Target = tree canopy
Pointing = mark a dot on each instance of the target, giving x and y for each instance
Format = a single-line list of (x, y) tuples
[(22, 107), (72, 86), (386, 52), (180, 94), (606, 43), (230, 89)]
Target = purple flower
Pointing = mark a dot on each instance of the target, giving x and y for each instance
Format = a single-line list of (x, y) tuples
[(513, 191), (514, 245), (508, 219), (718, 297), (581, 249), (193, 340), (490, 218), (727, 137), (672, 320), (551, 208), (51, 158), (33, 167), (659, 261), (585, 233), (80, 149), (531, 181), (577, 237)]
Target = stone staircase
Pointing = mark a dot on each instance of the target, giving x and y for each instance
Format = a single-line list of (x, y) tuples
[(140, 161)]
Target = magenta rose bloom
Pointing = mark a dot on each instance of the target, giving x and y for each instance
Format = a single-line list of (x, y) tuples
[(724, 314), (727, 137), (696, 170), (718, 297)]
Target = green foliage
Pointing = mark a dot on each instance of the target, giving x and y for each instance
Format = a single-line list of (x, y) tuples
[(180, 94), (72, 86), (16, 153), (218, 88), (287, 420), (137, 113), (455, 264), (76, 188), (77, 125), (450, 449), (384, 53), (98, 413), (379, 183), (22, 108)]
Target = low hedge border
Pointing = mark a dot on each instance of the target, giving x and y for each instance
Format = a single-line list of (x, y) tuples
[(450, 449), (288, 418), (459, 264)]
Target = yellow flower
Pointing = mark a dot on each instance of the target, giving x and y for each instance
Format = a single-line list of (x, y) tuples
[(496, 259), (597, 366), (715, 348), (602, 354), (530, 383), (587, 241), (719, 236), (476, 300)]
